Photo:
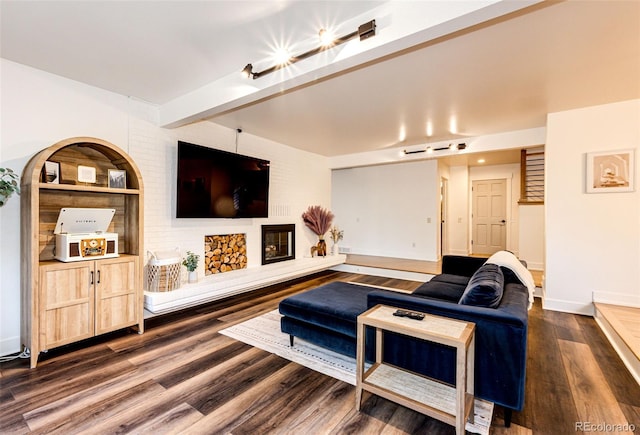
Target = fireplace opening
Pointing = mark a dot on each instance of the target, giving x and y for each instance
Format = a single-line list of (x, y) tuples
[(278, 243)]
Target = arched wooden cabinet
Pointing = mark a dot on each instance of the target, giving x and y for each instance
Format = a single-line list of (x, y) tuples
[(66, 302)]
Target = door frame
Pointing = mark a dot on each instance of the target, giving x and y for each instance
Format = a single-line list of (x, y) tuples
[(444, 217)]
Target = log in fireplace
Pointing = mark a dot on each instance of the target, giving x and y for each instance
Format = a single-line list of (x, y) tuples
[(278, 243)]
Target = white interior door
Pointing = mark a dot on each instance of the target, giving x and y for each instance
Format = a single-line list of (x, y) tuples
[(489, 218)]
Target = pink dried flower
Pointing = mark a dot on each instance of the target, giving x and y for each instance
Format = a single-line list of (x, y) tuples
[(318, 219)]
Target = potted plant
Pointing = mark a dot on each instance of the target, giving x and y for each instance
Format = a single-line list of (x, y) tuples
[(8, 184), (191, 263), (318, 220)]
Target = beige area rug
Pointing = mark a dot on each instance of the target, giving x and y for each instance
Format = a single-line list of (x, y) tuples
[(264, 333)]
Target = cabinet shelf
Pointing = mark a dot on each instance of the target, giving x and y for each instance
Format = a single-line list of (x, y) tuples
[(82, 188)]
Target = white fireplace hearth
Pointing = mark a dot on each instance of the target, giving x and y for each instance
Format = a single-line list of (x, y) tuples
[(219, 286)]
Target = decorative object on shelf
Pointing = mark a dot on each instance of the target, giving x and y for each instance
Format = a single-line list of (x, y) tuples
[(191, 263), (8, 184), (117, 179), (86, 174), (318, 220), (336, 235), (610, 171), (51, 172)]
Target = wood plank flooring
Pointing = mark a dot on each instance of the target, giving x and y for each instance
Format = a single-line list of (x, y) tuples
[(181, 376)]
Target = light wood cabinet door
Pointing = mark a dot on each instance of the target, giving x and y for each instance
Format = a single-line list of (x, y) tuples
[(116, 294), (66, 304)]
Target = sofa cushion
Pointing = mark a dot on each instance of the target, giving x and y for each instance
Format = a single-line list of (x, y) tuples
[(451, 279), (485, 287), (440, 290)]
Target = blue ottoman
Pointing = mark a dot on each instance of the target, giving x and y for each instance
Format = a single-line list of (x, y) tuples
[(326, 315)]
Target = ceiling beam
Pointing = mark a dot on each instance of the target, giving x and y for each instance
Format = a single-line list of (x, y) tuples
[(400, 26)]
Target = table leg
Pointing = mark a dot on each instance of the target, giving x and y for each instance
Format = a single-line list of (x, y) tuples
[(359, 363), (461, 388), (471, 362)]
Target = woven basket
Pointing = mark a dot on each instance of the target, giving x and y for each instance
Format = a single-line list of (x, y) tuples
[(163, 271)]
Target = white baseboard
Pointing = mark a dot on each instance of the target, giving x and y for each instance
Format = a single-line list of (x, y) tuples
[(567, 306), (10, 345), (457, 252), (626, 355), (387, 273)]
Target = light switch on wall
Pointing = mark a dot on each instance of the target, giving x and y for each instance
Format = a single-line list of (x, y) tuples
[(428, 220)]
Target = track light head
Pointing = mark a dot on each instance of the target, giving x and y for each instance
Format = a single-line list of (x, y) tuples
[(367, 30), (247, 71), (461, 146), (326, 37)]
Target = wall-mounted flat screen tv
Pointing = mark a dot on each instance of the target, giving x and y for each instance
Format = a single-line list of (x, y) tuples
[(219, 184)]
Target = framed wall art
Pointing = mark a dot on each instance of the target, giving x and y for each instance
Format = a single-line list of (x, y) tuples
[(86, 174), (117, 179), (610, 171), (52, 172)]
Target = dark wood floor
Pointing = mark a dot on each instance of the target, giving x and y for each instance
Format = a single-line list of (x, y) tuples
[(181, 376)]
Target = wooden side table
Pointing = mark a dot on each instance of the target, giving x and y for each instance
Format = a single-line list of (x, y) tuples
[(420, 393)]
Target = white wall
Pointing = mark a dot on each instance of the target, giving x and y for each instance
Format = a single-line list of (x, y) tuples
[(384, 210), (297, 179), (531, 234), (593, 240), (40, 109)]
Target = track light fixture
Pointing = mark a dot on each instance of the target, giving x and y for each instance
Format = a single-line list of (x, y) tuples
[(364, 31), (430, 149)]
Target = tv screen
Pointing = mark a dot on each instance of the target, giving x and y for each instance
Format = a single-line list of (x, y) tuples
[(220, 184)]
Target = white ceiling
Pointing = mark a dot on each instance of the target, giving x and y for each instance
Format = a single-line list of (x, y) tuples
[(502, 75)]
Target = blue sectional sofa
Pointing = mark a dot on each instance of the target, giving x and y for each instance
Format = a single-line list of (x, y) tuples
[(493, 297)]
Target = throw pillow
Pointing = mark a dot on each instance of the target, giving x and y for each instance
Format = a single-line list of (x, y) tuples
[(485, 287)]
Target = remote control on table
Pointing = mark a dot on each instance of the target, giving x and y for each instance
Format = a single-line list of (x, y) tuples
[(409, 314)]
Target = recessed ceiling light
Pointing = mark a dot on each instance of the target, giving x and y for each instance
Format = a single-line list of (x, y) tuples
[(481, 160), (402, 135), (453, 125)]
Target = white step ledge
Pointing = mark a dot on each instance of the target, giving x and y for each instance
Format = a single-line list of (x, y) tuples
[(219, 286)]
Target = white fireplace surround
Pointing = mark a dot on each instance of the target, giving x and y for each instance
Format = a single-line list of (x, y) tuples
[(222, 285)]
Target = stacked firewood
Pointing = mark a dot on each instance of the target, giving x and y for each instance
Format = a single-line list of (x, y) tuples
[(223, 253)]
